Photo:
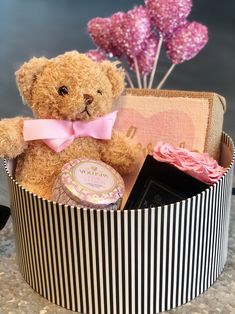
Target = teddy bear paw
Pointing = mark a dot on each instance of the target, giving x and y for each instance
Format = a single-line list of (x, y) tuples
[(11, 138)]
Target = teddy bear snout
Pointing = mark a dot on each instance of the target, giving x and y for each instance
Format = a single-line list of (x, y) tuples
[(88, 99)]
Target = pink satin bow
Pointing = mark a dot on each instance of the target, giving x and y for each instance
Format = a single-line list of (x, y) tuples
[(58, 134)]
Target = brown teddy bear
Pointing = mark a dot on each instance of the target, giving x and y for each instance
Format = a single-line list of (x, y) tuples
[(68, 87)]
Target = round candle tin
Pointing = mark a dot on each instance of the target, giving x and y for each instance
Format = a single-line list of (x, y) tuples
[(89, 183)]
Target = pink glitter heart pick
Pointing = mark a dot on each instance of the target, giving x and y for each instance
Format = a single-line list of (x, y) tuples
[(130, 30), (186, 42), (100, 32), (168, 14), (96, 55), (147, 56), (117, 29)]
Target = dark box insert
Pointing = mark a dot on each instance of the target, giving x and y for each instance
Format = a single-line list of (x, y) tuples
[(160, 184)]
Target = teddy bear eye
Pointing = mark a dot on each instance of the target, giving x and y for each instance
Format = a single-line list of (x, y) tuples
[(99, 91), (63, 90)]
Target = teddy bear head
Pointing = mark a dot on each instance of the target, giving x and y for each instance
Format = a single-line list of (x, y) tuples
[(69, 87)]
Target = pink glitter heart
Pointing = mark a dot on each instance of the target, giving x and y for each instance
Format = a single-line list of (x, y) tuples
[(186, 42), (146, 57), (168, 14), (116, 32), (130, 30), (96, 55), (100, 32)]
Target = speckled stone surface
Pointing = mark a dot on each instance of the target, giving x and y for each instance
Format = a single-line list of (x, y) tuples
[(16, 296)]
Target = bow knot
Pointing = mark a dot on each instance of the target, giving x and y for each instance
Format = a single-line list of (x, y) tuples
[(58, 134)]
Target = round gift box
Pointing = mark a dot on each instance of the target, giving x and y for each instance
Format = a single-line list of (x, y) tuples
[(135, 261)]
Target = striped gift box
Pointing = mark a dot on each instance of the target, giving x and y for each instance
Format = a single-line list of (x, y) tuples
[(135, 261)]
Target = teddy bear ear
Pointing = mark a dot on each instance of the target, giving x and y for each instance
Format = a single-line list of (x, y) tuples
[(115, 75), (27, 74)]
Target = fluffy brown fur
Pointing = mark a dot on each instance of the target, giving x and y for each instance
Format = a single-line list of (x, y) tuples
[(38, 81)]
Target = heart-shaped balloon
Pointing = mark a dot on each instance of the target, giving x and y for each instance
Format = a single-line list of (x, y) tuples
[(130, 30), (146, 57), (186, 42), (96, 55), (167, 15), (100, 31)]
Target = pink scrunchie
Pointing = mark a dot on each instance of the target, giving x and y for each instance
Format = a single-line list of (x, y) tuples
[(199, 166)]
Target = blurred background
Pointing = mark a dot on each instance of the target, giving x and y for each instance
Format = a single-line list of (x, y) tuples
[(34, 28)]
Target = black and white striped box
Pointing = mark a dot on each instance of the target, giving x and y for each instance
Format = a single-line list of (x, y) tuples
[(116, 262)]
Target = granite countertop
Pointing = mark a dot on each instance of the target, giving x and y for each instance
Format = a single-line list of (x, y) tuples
[(16, 296)]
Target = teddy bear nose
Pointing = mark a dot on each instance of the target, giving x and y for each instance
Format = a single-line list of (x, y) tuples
[(88, 99)]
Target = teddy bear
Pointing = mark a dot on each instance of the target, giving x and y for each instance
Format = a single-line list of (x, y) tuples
[(70, 87)]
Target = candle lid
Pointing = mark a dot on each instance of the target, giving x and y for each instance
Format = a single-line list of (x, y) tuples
[(92, 183)]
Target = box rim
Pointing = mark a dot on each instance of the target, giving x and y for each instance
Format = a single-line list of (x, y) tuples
[(230, 145)]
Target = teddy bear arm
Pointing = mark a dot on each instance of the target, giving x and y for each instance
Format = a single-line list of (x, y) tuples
[(12, 142), (120, 153)]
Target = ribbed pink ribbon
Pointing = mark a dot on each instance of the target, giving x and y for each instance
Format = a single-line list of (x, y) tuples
[(58, 134)]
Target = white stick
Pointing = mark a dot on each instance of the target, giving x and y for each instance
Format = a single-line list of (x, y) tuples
[(166, 76), (129, 79), (145, 80), (137, 73), (156, 61)]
